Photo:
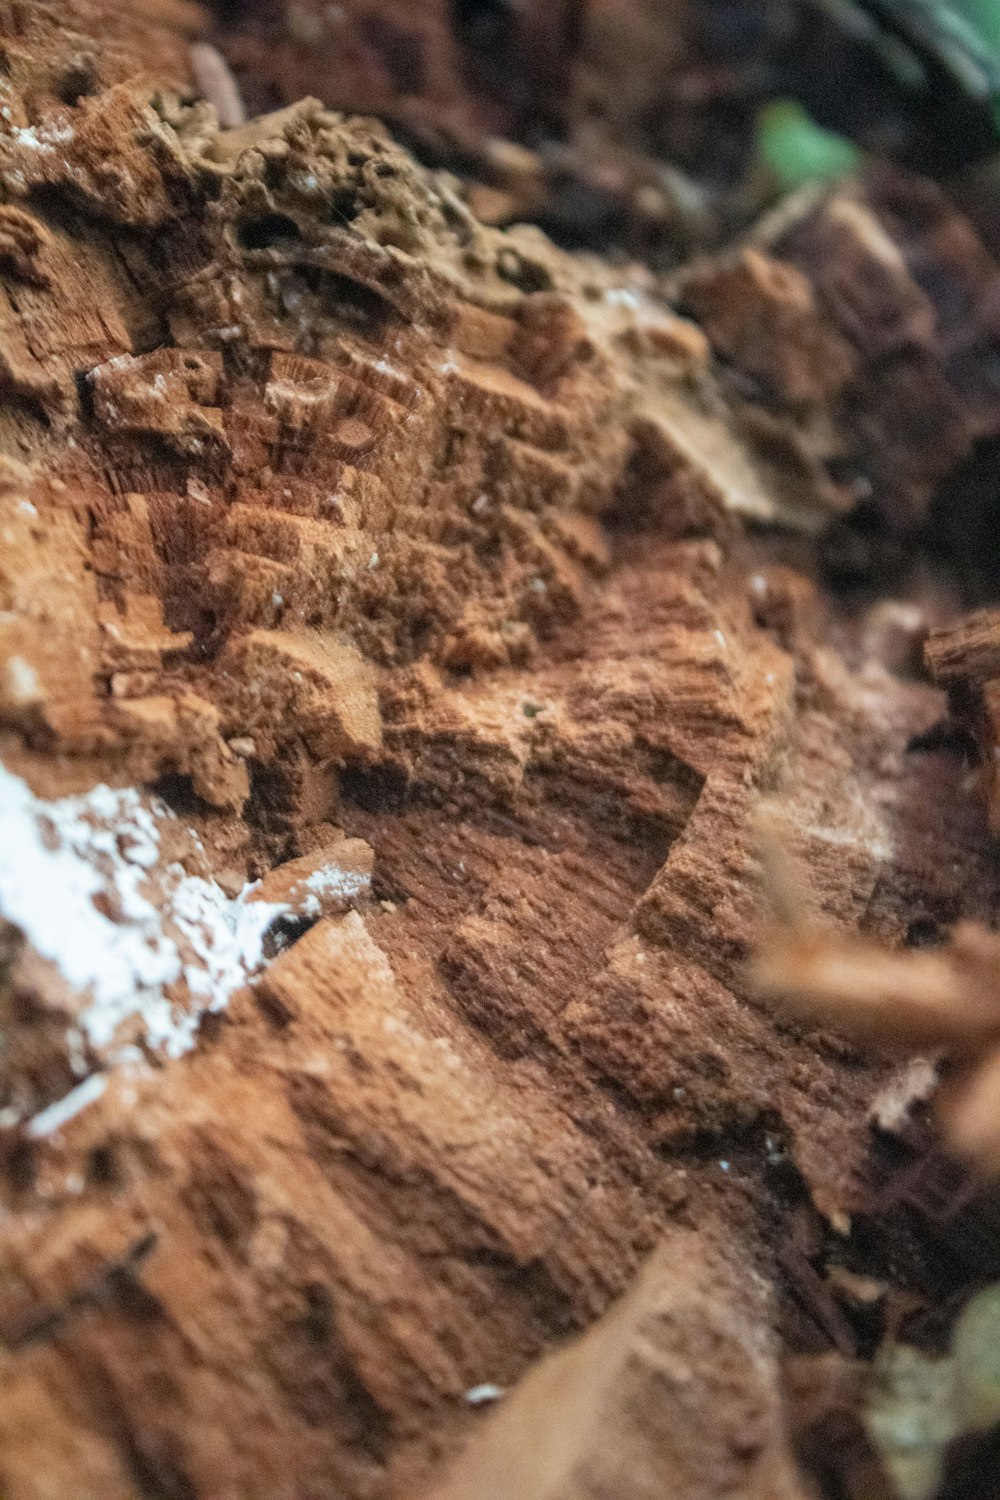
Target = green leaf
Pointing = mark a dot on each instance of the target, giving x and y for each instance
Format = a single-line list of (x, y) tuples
[(984, 15), (797, 151)]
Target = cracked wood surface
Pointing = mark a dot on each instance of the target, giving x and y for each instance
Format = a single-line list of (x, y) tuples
[(334, 517)]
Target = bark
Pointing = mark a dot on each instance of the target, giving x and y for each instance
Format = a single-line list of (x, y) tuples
[(398, 563)]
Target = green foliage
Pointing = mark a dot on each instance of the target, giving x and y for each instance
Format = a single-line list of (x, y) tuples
[(961, 36), (797, 151), (984, 15)]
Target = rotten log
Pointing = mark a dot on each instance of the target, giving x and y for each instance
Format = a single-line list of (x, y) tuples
[(334, 521), (964, 656), (678, 1383)]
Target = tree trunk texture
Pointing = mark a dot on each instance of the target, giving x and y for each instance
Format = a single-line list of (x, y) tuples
[(428, 574)]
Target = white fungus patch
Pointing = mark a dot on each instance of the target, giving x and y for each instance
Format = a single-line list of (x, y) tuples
[(331, 883), (78, 876), (21, 682), (485, 1394), (42, 137), (56, 1115), (620, 296)]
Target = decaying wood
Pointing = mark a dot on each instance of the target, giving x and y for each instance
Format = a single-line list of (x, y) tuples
[(393, 562), (965, 658), (941, 1000), (844, 340), (472, 84), (477, 69), (677, 1379)]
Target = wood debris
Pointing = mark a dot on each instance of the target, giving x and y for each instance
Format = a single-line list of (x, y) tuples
[(965, 658), (947, 998), (619, 1408)]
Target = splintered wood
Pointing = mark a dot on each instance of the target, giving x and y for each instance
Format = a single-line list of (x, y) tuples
[(387, 689)]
